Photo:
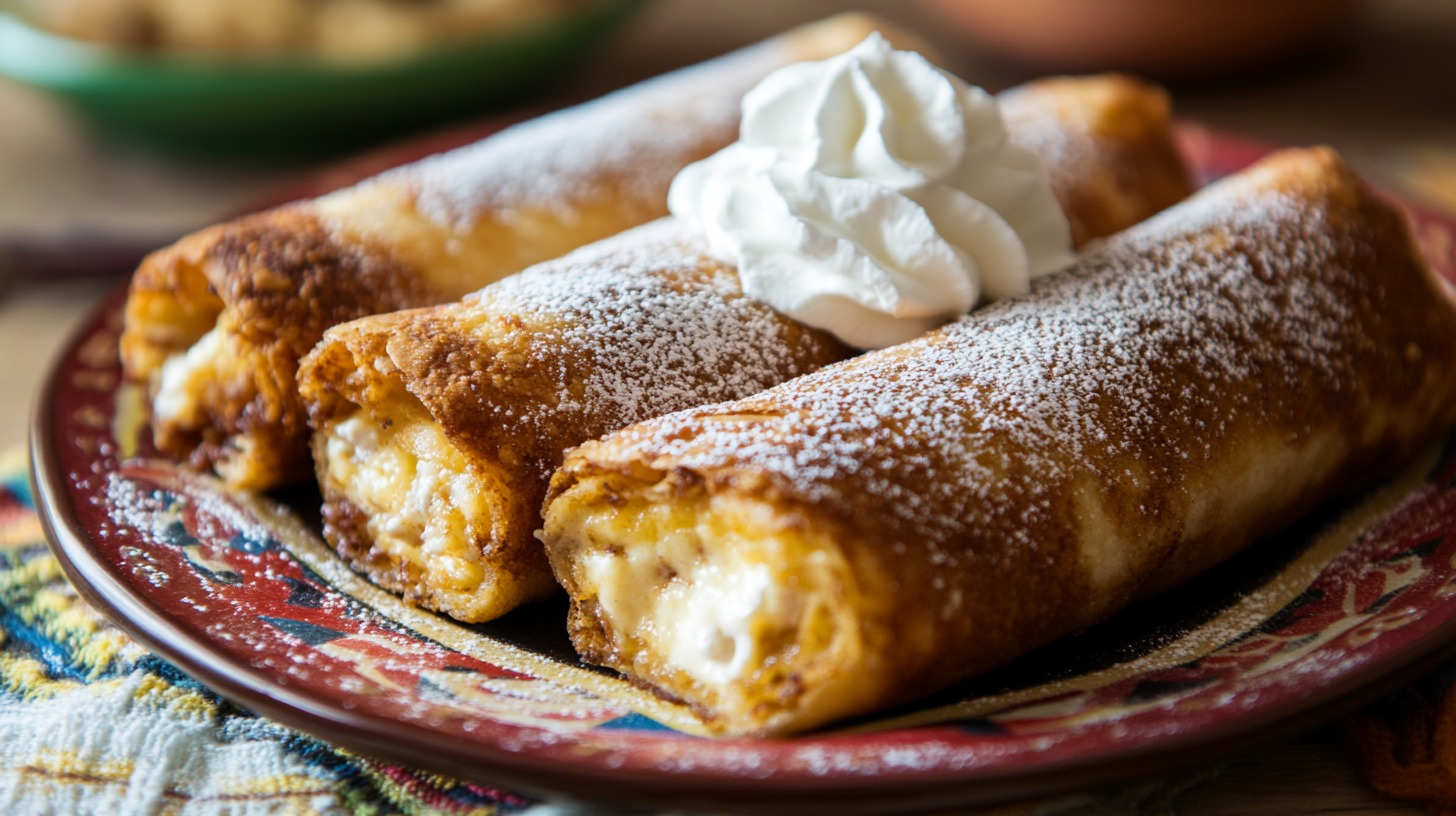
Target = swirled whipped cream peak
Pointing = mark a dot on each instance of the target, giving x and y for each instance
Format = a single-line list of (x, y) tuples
[(875, 196)]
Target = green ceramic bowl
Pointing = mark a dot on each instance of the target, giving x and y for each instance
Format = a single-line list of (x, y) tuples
[(296, 105)]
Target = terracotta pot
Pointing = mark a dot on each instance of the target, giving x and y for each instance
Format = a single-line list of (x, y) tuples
[(1167, 38)]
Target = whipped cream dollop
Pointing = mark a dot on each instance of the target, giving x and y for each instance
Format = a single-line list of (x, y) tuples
[(875, 196)]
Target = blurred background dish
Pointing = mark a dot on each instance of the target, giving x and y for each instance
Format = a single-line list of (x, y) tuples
[(341, 30), (253, 79), (1182, 39)]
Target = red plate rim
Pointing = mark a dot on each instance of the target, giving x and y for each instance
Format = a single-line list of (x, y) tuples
[(598, 776)]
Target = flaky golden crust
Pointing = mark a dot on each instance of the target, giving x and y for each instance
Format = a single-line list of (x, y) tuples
[(356, 368), (282, 276), (425, 234), (1189, 386), (518, 373), (1112, 155), (630, 328)]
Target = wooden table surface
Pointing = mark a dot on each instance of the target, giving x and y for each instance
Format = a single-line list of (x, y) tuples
[(1385, 87)]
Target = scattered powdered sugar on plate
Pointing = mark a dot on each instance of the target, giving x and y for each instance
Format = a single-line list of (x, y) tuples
[(156, 513)]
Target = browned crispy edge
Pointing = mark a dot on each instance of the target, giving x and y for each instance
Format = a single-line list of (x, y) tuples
[(340, 375), (286, 279)]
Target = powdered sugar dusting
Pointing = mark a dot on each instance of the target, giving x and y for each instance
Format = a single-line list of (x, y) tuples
[(638, 138), (646, 323), (157, 514), (1066, 144), (1239, 281)]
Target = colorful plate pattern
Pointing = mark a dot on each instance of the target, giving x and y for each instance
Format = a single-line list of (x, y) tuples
[(240, 591)]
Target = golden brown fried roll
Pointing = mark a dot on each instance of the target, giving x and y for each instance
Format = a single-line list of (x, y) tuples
[(436, 431), (1111, 160), (888, 525), (216, 324)]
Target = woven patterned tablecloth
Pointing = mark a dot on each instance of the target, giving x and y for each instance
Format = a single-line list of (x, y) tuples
[(91, 723)]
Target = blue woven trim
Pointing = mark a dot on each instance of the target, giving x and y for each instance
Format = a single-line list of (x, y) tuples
[(15, 488)]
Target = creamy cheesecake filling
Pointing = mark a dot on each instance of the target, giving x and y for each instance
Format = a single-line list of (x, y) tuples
[(212, 400), (182, 383), (420, 497), (718, 601), (702, 613)]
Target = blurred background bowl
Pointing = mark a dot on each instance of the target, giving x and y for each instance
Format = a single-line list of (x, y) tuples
[(298, 105), (1163, 39)]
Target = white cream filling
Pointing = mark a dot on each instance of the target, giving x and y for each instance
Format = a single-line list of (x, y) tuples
[(702, 612), (179, 386), (418, 509)]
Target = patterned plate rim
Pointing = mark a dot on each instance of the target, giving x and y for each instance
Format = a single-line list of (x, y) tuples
[(553, 768)]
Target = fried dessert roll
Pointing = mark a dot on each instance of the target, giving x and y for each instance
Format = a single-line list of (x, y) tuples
[(1111, 160), (436, 431), (439, 428), (886, 526), (215, 324)]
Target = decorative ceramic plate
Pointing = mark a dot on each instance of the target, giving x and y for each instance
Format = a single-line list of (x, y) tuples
[(240, 591)]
